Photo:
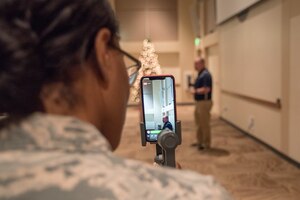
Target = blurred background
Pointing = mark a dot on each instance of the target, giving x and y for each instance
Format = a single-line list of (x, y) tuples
[(251, 48)]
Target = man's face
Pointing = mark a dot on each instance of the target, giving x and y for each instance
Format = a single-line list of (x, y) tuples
[(199, 65), (165, 119)]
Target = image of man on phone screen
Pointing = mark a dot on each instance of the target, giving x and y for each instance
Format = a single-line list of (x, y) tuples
[(167, 123)]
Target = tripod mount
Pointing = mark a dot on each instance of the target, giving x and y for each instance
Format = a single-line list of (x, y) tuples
[(167, 141)]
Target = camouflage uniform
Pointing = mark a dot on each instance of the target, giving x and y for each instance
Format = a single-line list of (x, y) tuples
[(47, 157)]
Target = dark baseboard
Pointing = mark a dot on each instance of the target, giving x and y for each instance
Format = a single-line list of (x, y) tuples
[(133, 105), (280, 154), (177, 104), (185, 103)]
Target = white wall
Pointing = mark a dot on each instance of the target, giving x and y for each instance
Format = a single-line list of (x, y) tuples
[(266, 44), (228, 8), (251, 65), (258, 120), (214, 68), (294, 111), (251, 53)]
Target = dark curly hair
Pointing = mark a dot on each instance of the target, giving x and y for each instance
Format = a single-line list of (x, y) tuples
[(41, 41)]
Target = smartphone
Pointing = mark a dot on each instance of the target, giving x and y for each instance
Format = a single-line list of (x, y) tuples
[(158, 104)]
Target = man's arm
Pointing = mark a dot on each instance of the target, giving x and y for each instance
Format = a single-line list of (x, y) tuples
[(201, 90)]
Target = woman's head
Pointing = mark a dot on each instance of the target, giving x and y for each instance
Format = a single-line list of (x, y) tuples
[(41, 41), (57, 56)]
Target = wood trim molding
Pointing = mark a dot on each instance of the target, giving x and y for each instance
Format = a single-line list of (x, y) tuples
[(276, 104)]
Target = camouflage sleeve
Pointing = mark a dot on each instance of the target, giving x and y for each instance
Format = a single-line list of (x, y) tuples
[(92, 177), (64, 159)]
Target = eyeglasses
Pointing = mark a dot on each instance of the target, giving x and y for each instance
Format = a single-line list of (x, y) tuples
[(133, 65)]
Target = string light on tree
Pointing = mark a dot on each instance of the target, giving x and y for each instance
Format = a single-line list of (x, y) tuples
[(150, 66)]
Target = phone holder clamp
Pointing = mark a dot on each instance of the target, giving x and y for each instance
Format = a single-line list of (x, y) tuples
[(167, 141)]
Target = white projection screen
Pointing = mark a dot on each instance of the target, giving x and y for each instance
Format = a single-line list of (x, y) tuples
[(228, 8)]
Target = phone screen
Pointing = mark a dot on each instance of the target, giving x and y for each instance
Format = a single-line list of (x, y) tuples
[(158, 101)]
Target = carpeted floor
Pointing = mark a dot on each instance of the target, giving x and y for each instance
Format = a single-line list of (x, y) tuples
[(247, 169)]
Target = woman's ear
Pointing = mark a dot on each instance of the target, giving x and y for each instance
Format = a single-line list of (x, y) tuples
[(102, 39)]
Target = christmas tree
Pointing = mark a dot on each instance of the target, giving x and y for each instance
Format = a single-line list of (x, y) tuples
[(150, 66)]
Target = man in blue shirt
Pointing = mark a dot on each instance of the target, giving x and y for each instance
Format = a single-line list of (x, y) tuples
[(202, 94), (167, 124)]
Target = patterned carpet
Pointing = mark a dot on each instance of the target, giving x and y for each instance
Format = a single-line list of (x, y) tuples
[(247, 169)]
